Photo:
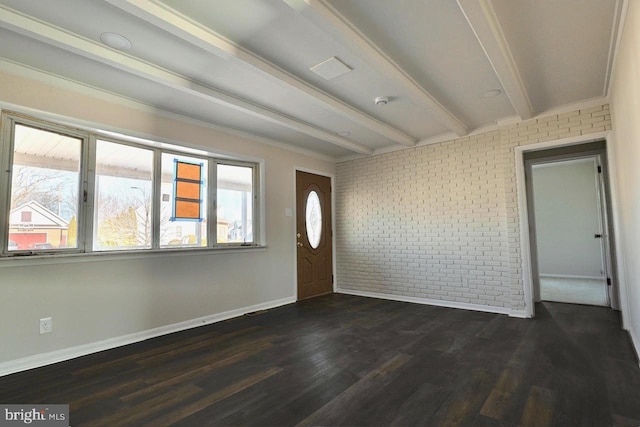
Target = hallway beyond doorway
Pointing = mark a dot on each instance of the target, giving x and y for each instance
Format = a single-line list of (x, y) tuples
[(573, 290)]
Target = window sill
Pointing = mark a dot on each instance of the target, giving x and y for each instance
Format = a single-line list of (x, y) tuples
[(67, 258)]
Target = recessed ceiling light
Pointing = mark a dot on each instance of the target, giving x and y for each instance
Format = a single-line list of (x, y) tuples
[(491, 93), (382, 100), (115, 41)]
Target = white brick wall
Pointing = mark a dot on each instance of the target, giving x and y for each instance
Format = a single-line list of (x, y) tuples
[(441, 221)]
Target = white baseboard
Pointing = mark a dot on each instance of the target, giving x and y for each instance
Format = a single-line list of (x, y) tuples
[(570, 276), (44, 359), (439, 303), (522, 314)]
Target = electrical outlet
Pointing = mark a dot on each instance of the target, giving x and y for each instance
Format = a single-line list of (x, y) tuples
[(46, 325)]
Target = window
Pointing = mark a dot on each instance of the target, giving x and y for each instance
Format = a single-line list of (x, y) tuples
[(45, 188), (175, 229), (123, 203), (73, 191), (235, 204), (313, 219)]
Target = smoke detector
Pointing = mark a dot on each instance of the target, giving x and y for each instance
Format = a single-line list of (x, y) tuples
[(382, 100)]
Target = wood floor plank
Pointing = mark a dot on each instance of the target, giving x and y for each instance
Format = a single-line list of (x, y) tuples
[(132, 415), (511, 378), (214, 357), (298, 407), (538, 411), (170, 354), (494, 405), (107, 392), (621, 421), (623, 379), (198, 405), (465, 401), (196, 373), (331, 413), (420, 407)]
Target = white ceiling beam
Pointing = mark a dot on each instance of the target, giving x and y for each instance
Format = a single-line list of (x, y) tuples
[(33, 28), (484, 22), (171, 21), (327, 18)]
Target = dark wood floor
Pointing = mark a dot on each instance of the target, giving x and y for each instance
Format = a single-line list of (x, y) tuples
[(343, 360)]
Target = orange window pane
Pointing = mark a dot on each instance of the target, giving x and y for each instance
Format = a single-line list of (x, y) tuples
[(188, 190), (188, 171), (186, 209)]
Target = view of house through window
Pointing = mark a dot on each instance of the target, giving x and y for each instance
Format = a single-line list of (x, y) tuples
[(45, 188), (235, 204), (123, 202)]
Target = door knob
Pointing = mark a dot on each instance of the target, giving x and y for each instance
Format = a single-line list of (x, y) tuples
[(597, 236)]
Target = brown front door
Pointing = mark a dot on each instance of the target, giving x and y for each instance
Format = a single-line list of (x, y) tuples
[(313, 219)]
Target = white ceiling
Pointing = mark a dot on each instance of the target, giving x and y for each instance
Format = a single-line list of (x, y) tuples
[(244, 64)]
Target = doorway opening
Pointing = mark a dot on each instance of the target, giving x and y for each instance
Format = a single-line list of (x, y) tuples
[(571, 238)]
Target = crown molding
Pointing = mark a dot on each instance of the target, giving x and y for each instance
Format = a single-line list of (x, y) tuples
[(500, 123), (351, 157), (619, 19)]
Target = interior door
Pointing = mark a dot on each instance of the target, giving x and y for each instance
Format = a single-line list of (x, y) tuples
[(569, 231), (313, 236)]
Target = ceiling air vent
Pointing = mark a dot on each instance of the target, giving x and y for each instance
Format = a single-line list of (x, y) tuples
[(331, 68)]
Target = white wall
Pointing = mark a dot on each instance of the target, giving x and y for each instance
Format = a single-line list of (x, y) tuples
[(439, 223), (625, 107), (566, 218), (98, 298), (427, 222)]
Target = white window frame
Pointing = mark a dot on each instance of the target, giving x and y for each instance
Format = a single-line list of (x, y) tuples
[(92, 166), (255, 211), (9, 122)]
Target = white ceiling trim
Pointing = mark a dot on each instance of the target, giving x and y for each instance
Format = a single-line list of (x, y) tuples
[(507, 121), (619, 17), (49, 34), (484, 23), (327, 18), (566, 108), (64, 83), (173, 22)]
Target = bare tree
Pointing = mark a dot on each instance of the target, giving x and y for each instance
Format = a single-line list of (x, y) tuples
[(56, 190), (125, 218)]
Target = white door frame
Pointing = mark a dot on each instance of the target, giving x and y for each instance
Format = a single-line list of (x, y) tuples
[(525, 249), (596, 161), (295, 230)]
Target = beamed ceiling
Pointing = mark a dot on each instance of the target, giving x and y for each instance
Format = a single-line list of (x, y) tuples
[(246, 64)]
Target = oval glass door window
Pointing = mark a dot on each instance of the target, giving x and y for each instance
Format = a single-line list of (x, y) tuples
[(313, 219)]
